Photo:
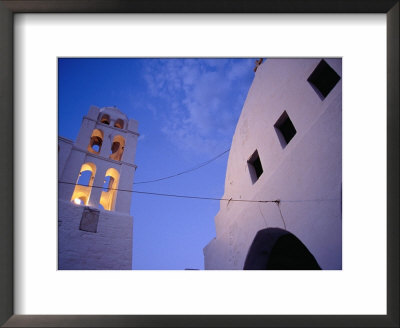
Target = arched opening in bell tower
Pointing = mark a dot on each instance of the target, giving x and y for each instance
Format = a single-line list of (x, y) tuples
[(96, 140), (117, 148), (119, 124), (105, 119), (84, 184), (109, 193)]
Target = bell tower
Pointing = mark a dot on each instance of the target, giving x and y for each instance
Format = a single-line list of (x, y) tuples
[(95, 177)]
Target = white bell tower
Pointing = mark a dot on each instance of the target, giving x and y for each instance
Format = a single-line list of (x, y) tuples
[(95, 178)]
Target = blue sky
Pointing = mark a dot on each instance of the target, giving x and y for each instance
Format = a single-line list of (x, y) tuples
[(187, 111)]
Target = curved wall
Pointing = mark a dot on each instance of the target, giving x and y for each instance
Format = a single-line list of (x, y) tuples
[(305, 175)]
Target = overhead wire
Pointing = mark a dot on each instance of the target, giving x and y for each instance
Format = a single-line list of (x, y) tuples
[(277, 201), (186, 171), (175, 195)]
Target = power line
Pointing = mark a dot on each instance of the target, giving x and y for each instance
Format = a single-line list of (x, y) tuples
[(277, 201), (178, 196), (186, 171)]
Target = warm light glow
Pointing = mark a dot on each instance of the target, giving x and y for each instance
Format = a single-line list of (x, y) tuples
[(81, 194), (78, 201), (109, 195)]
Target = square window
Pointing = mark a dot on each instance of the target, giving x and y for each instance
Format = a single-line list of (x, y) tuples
[(255, 167), (284, 129), (323, 79)]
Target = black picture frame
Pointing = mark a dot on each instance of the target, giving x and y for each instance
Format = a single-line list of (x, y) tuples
[(7, 10)]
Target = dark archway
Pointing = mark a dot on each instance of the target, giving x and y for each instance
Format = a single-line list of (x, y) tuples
[(105, 119), (278, 249), (119, 124)]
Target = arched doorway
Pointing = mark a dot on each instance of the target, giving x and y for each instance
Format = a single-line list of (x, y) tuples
[(278, 249)]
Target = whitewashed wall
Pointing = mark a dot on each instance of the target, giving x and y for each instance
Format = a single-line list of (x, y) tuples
[(110, 248), (306, 175)]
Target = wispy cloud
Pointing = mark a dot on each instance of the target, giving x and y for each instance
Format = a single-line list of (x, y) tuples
[(198, 100)]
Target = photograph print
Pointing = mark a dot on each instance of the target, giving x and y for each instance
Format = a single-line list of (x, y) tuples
[(200, 163)]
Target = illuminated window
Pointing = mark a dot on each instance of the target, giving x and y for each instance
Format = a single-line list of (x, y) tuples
[(80, 201), (84, 184), (109, 193)]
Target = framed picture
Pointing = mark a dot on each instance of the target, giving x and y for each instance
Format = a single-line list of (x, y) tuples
[(201, 298)]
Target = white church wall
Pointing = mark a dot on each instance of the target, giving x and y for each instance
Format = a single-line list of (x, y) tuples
[(110, 248), (64, 149), (305, 175)]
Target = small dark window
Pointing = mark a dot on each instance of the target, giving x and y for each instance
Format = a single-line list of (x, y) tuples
[(255, 167), (323, 79), (284, 129)]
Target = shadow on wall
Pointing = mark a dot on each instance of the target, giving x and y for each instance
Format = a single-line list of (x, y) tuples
[(278, 249)]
